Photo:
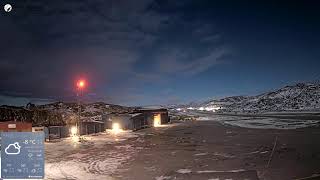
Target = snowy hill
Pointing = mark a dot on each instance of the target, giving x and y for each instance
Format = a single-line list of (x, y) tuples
[(88, 109), (298, 97), (58, 113)]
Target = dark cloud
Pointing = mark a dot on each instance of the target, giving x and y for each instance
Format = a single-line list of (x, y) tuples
[(117, 45)]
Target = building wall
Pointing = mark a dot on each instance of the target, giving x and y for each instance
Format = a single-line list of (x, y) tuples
[(91, 128), (12, 126), (136, 121), (124, 120), (139, 122), (165, 118)]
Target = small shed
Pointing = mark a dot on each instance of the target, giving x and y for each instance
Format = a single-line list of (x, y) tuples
[(15, 126)]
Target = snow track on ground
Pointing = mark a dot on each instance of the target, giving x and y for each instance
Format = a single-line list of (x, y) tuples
[(99, 157)]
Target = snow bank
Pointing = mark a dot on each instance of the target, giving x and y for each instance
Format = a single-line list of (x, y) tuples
[(93, 158), (201, 154), (215, 171), (184, 171), (260, 122), (272, 123), (163, 177), (70, 170)]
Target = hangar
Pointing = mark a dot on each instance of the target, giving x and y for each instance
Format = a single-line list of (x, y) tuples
[(139, 119)]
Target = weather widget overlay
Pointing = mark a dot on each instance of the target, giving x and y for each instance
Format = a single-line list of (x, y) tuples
[(22, 155)]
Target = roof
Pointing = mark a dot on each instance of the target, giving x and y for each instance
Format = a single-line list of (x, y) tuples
[(152, 107), (92, 121), (135, 114), (152, 110), (128, 114)]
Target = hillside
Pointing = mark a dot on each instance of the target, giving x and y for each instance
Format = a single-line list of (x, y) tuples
[(298, 97), (58, 113)]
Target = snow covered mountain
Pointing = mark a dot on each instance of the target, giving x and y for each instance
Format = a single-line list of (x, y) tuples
[(298, 97)]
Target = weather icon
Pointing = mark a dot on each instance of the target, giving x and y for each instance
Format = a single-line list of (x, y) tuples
[(13, 149)]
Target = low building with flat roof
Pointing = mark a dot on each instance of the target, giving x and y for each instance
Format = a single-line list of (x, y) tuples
[(141, 118), (15, 126)]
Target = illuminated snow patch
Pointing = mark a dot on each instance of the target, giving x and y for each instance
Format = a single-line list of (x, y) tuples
[(184, 171), (204, 118), (89, 159), (70, 170), (201, 154), (224, 155), (215, 171), (163, 177)]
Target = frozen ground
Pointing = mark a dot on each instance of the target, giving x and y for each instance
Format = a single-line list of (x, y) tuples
[(210, 148), (97, 157), (261, 122), (274, 121), (202, 150)]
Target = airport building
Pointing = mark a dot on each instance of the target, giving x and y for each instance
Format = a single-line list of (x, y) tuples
[(141, 118)]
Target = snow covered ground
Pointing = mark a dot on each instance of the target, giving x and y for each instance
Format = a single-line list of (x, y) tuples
[(260, 122), (263, 121), (97, 157)]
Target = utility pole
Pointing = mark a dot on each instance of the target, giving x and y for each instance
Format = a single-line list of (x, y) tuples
[(80, 86)]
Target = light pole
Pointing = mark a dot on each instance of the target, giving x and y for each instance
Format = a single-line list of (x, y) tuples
[(80, 86)]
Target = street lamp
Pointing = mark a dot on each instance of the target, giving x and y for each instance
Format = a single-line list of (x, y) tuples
[(81, 84)]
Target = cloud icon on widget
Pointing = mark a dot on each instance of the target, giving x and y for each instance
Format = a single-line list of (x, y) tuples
[(13, 149)]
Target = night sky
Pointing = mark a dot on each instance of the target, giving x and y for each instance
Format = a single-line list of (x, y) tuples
[(143, 52)]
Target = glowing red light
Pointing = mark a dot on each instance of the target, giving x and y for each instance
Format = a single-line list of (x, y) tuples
[(81, 84)]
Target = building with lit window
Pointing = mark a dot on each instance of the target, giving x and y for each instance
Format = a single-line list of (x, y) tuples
[(141, 118)]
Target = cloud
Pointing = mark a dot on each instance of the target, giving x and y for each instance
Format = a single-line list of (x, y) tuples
[(181, 62), (22, 101), (117, 45)]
